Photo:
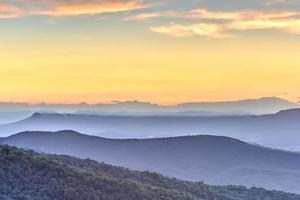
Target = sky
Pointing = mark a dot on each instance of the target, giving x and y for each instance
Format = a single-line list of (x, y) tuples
[(161, 51)]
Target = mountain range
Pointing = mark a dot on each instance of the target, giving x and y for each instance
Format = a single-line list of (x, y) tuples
[(13, 116), (212, 159), (280, 130), (265, 105)]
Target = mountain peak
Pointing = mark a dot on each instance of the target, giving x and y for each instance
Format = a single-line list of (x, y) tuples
[(291, 112)]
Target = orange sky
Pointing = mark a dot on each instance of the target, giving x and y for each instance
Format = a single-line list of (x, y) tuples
[(143, 50)]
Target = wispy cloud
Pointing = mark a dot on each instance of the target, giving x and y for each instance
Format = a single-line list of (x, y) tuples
[(8, 11), (226, 22), (272, 2), (20, 8), (242, 15), (145, 16), (152, 15), (91, 8), (291, 25), (198, 22), (201, 29)]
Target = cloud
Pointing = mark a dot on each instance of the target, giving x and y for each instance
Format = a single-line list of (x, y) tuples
[(91, 8), (290, 26), (205, 14), (19, 8), (201, 29), (225, 22), (271, 2), (146, 16), (7, 12), (198, 22), (242, 15)]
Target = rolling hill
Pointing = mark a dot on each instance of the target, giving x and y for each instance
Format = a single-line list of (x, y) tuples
[(280, 130), (212, 159), (28, 175)]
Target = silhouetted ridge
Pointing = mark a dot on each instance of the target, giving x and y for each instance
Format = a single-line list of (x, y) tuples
[(36, 115), (39, 115), (183, 139), (35, 133), (290, 113)]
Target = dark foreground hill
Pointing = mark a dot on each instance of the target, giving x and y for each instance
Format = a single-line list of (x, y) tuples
[(25, 175), (279, 130), (212, 159)]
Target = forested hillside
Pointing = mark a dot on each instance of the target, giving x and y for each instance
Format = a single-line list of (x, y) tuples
[(26, 175)]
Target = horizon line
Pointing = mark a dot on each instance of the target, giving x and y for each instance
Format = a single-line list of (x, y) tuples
[(115, 102)]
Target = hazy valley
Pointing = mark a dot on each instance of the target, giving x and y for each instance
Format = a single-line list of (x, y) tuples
[(279, 130)]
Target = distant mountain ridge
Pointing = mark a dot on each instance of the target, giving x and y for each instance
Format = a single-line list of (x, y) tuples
[(12, 112), (213, 159), (263, 105), (280, 130), (10, 117), (29, 175)]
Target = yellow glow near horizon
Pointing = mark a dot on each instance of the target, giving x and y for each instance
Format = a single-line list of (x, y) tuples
[(164, 73), (100, 51)]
